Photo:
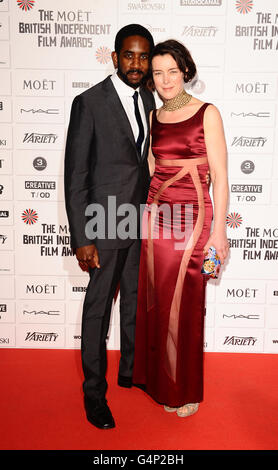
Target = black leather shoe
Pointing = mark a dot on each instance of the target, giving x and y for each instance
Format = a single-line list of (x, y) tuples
[(99, 414), (124, 381)]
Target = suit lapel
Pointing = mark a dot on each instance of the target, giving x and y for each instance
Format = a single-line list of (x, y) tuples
[(119, 115), (117, 111)]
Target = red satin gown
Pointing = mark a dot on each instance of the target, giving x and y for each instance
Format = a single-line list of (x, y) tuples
[(176, 225)]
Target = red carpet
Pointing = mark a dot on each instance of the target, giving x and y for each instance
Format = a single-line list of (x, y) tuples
[(42, 406)]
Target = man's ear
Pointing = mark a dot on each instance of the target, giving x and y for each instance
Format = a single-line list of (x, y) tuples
[(115, 59)]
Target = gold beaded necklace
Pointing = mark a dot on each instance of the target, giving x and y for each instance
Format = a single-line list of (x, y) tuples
[(177, 102)]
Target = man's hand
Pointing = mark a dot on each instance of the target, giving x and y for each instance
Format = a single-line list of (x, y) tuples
[(87, 257)]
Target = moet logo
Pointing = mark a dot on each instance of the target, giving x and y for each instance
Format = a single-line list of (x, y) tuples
[(249, 88)]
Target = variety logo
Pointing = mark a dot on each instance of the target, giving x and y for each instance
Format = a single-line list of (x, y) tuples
[(244, 6), (26, 5), (234, 220), (103, 55), (29, 216), (240, 340), (35, 138), (200, 31), (37, 336), (244, 141)]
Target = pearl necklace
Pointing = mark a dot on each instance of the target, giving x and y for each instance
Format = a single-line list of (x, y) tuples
[(177, 102)]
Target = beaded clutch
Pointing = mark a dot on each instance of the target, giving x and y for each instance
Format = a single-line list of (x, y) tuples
[(211, 264)]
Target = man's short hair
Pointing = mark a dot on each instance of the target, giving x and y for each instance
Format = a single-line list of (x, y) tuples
[(132, 30)]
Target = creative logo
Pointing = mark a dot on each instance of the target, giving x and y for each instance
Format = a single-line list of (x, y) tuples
[(103, 55), (244, 6), (234, 220), (29, 216), (26, 5)]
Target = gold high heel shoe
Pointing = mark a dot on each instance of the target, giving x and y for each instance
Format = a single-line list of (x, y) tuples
[(187, 410)]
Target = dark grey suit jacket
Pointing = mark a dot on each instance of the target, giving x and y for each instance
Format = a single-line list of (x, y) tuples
[(101, 160)]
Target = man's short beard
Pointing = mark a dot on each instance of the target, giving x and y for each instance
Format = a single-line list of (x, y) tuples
[(124, 77)]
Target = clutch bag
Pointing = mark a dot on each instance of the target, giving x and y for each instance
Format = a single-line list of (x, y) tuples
[(211, 264)]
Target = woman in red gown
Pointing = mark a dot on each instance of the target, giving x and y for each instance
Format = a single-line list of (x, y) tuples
[(187, 141)]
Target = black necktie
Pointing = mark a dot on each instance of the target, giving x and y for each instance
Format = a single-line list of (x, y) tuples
[(139, 122)]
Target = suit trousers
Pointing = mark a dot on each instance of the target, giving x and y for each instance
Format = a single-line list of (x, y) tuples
[(118, 267)]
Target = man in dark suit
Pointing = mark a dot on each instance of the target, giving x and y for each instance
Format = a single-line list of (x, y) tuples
[(106, 157)]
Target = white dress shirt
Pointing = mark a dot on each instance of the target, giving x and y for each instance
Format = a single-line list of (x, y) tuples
[(126, 93)]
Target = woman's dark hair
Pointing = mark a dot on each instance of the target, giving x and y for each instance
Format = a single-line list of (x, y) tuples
[(132, 30), (179, 53)]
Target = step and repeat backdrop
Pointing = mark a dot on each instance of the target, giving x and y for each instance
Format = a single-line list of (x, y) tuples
[(50, 51)]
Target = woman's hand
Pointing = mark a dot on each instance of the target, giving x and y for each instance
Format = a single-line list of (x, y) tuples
[(220, 242)]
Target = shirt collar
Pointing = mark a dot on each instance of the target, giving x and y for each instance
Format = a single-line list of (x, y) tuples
[(122, 88)]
